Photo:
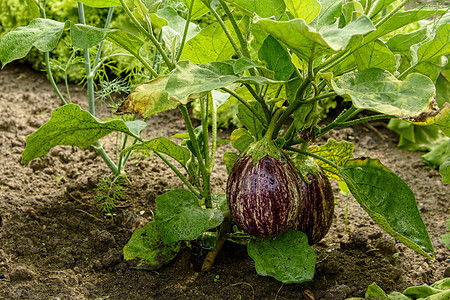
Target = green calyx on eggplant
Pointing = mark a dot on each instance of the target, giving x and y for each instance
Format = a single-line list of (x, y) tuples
[(263, 190), (317, 208)]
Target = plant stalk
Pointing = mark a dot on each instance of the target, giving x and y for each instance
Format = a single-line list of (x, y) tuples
[(353, 122), (185, 32)]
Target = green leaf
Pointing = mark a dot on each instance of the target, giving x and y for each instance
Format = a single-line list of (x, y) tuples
[(337, 152), (189, 78), (400, 19), (180, 217), (229, 157), (402, 42), (305, 9), (71, 126), (438, 290), (250, 120), (149, 98), (263, 8), (329, 40), (287, 257), (277, 59), (351, 11), (163, 145), (198, 10), (444, 170), (146, 244), (375, 55), (446, 237), (388, 201), (375, 292), (329, 12), (136, 126), (127, 41), (436, 47), (439, 155), (85, 36), (101, 3), (379, 90), (44, 34), (240, 139), (211, 44)]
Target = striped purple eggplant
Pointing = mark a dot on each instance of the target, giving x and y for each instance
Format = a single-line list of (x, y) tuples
[(264, 195), (317, 209)]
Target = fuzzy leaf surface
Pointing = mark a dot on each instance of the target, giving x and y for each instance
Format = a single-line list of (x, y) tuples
[(147, 245), (163, 145), (379, 90), (337, 152), (288, 257), (240, 139), (389, 202), (180, 217), (71, 126)]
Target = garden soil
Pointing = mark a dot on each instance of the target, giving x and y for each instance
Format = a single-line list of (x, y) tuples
[(56, 244)]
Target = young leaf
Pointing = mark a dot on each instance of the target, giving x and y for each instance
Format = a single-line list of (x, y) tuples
[(287, 257), (380, 91), (69, 125), (146, 244), (388, 201), (375, 55), (101, 3), (211, 44), (180, 217), (229, 157), (149, 98), (164, 145), (375, 292), (250, 120), (44, 34), (444, 170), (276, 58), (306, 9), (439, 155), (240, 139), (337, 152)]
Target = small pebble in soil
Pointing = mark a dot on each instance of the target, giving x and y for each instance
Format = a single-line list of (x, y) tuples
[(2, 276), (447, 272), (338, 292)]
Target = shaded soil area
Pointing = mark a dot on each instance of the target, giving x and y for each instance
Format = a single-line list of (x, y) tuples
[(56, 244)]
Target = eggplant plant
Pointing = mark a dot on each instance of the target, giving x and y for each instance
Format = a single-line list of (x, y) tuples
[(279, 59)]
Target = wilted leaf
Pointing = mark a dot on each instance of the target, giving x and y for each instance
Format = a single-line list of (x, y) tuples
[(388, 201), (146, 244), (164, 145), (337, 152), (379, 90), (287, 257), (180, 217), (71, 126), (438, 117), (149, 98)]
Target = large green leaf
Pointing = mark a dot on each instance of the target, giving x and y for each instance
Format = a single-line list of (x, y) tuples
[(375, 55), (329, 40), (263, 8), (85, 36), (388, 201), (337, 152), (180, 217), (400, 19), (146, 244), (211, 44), (101, 3), (240, 139), (69, 125), (329, 12), (304, 9), (126, 40), (436, 47), (379, 90), (149, 98), (44, 34), (276, 58), (164, 145), (198, 10), (189, 78), (287, 257)]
